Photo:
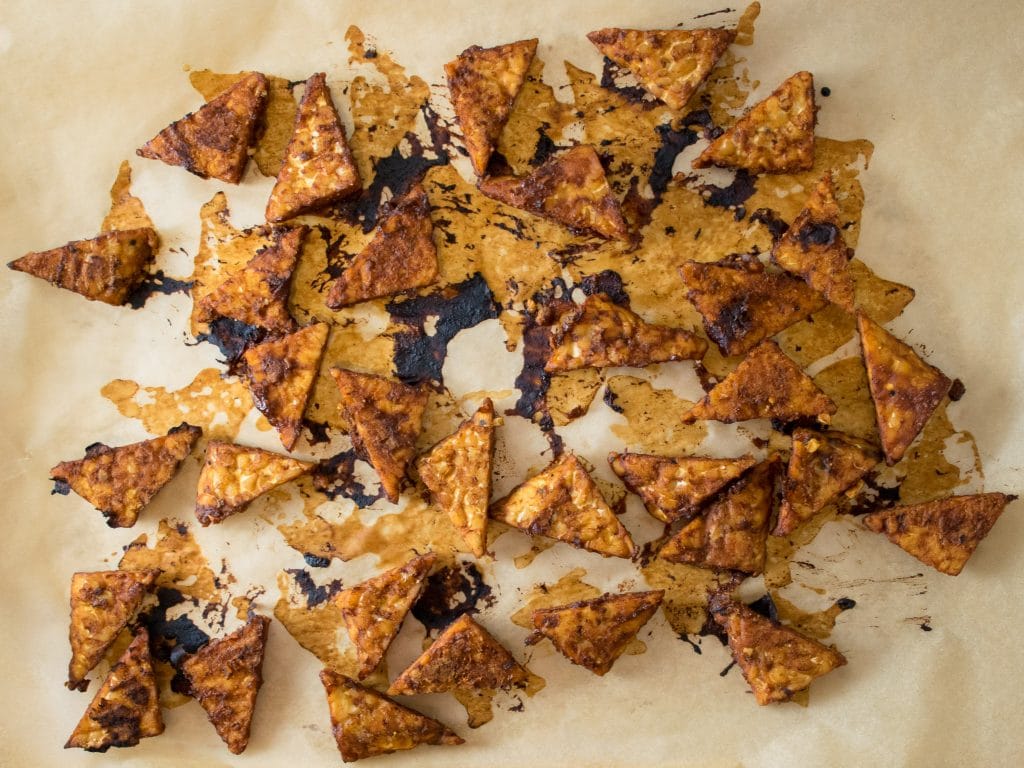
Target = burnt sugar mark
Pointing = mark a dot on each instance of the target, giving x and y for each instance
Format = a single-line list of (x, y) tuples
[(771, 221), (618, 80), (873, 496), (315, 594), (957, 390), (336, 477), (817, 233), (609, 282), (315, 561), (157, 283), (765, 606), (171, 639), (232, 338), (429, 322), (673, 141), (317, 432), (546, 146), (733, 196), (450, 593)]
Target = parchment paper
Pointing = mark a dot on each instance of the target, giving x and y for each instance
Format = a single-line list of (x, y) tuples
[(935, 86)]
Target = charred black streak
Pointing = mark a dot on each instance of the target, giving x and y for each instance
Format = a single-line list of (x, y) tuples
[(451, 593), (232, 338), (712, 13), (733, 196), (545, 146), (873, 496), (765, 606), (157, 283), (612, 75), (692, 643), (314, 561), (171, 639), (725, 671), (419, 356), (315, 595), (317, 432), (335, 477), (608, 282), (61, 487), (770, 219), (673, 141), (612, 401)]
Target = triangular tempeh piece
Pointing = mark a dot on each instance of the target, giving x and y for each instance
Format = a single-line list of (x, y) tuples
[(214, 141), (126, 708), (775, 136), (318, 167), (234, 475), (367, 723), (225, 675), (384, 417), (570, 188), (465, 656), (766, 385), (670, 64), (401, 257), (943, 533), (821, 466), (742, 304), (484, 83), (814, 247), (280, 374), (594, 633), (563, 502), (457, 472), (905, 389), (601, 334), (102, 604), (674, 488), (374, 609)]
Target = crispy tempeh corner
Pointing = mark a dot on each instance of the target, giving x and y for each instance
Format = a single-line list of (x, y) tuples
[(674, 488), (280, 374), (776, 661), (905, 389), (234, 475), (401, 257), (775, 136), (821, 466), (374, 609), (214, 141), (457, 472), (484, 83), (126, 708), (601, 334), (121, 481), (466, 657), (384, 417), (594, 633), (367, 723), (671, 64), (742, 304), (732, 532), (318, 167), (107, 268), (102, 604), (257, 294), (814, 247), (569, 188), (766, 385), (225, 675), (943, 533), (563, 502)]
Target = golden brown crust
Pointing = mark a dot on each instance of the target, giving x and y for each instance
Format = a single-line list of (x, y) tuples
[(225, 675), (484, 83), (280, 374), (742, 304), (601, 334), (943, 533), (374, 610), (814, 247), (121, 481), (774, 136), (367, 723), (258, 293), (570, 188), (776, 661), (214, 141), (318, 167), (107, 268), (766, 385), (401, 257), (102, 604), (385, 418), (126, 708), (671, 64), (905, 389), (732, 532), (821, 466), (234, 475), (674, 488), (594, 633), (465, 656), (563, 502), (457, 472)]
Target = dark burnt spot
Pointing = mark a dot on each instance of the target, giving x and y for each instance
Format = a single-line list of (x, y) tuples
[(926, 627), (711, 13), (419, 356), (694, 645), (170, 640), (770, 219), (873, 496), (181, 528), (708, 381), (317, 432), (826, 91), (154, 284), (612, 77), (733, 322), (546, 146), (765, 606), (335, 477), (95, 449), (673, 141), (820, 233), (450, 593), (957, 390), (370, 53), (315, 595), (725, 671), (315, 561), (61, 487), (846, 603), (732, 196), (612, 402), (232, 338), (609, 282)]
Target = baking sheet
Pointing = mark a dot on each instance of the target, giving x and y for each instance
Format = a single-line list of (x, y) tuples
[(932, 85)]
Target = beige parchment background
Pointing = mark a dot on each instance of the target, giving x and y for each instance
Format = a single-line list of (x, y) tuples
[(935, 86)]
